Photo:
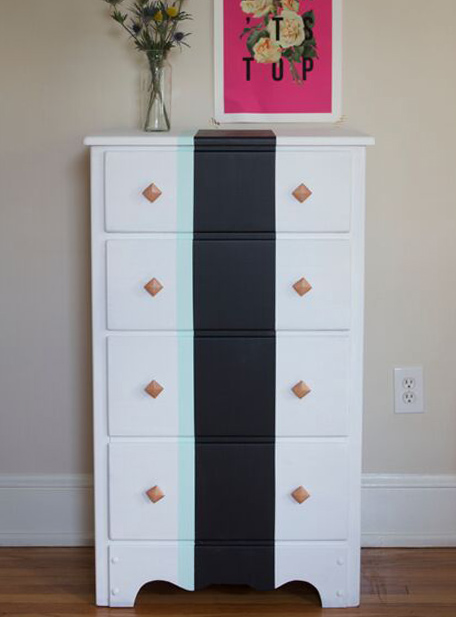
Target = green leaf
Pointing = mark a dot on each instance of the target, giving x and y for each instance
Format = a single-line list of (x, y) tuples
[(244, 32), (309, 18), (309, 51), (297, 53), (117, 16)]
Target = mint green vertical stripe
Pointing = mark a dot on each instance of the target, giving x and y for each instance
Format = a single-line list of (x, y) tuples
[(184, 244)]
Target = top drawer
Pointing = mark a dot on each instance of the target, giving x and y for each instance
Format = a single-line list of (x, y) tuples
[(172, 190)]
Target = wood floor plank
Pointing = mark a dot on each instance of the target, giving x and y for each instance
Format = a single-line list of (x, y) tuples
[(58, 582)]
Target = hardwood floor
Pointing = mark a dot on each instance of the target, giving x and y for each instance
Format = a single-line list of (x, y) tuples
[(36, 582)]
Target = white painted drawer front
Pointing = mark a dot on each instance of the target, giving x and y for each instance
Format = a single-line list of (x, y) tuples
[(128, 174), (131, 264), (136, 361), (134, 468), (325, 264), (328, 175), (322, 469), (322, 363)]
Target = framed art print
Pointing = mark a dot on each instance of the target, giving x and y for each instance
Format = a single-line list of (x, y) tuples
[(278, 60)]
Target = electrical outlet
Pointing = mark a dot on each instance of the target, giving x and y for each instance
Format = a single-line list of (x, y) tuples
[(408, 390)]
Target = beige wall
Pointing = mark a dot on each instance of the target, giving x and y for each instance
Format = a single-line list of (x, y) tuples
[(66, 71)]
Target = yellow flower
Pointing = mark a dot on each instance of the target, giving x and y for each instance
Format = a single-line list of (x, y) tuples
[(172, 11), (291, 5), (257, 8), (158, 16), (267, 51), (291, 30)]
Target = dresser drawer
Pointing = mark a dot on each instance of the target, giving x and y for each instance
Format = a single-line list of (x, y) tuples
[(312, 385), (180, 284), (179, 200), (245, 472), (174, 385), (323, 200), (321, 469), (166, 207), (137, 468), (313, 284), (150, 385), (165, 266)]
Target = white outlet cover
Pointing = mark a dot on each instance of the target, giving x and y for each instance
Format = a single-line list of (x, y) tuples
[(409, 390)]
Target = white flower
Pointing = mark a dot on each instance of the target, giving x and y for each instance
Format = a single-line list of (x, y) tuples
[(257, 8), (291, 5), (267, 51), (291, 29)]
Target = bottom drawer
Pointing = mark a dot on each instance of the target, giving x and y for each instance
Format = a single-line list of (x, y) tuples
[(239, 492)]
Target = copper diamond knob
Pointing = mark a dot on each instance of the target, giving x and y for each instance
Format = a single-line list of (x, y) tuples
[(302, 287), (155, 494), (154, 389), (153, 287), (301, 389), (300, 494), (301, 193), (152, 193)]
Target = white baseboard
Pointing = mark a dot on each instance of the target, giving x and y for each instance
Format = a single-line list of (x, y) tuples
[(408, 510), (397, 510), (46, 510)]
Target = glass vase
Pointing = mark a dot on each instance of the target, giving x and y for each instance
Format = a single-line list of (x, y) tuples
[(156, 82)]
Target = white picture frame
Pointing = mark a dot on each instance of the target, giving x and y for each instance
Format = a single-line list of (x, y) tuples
[(225, 118)]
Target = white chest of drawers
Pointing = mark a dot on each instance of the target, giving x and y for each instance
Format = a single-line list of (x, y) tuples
[(227, 349)]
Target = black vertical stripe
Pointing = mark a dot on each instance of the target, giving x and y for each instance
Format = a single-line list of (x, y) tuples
[(234, 358)]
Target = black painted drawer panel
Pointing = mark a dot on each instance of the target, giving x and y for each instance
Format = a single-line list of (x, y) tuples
[(234, 192), (234, 284), (234, 182), (234, 492), (235, 386)]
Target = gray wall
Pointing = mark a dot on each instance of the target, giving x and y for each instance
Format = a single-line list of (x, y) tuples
[(66, 71)]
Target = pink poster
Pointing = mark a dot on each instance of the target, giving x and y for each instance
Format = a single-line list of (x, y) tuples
[(279, 58)]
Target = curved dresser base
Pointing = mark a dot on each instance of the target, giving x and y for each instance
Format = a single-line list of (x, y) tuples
[(323, 567)]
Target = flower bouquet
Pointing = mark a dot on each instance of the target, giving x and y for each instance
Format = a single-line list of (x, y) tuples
[(278, 31), (154, 28)]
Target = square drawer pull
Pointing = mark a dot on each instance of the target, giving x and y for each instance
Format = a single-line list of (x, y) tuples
[(153, 287), (300, 494), (301, 389), (302, 193), (152, 193), (302, 287), (155, 494), (154, 389)]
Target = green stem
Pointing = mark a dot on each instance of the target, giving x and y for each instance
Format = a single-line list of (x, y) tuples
[(156, 67), (294, 73)]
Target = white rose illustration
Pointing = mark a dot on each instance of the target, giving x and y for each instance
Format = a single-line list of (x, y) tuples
[(291, 5), (257, 8), (292, 31), (267, 51)]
